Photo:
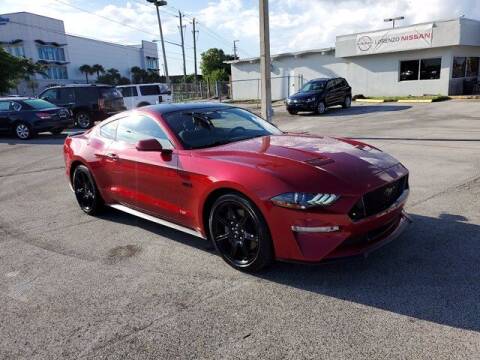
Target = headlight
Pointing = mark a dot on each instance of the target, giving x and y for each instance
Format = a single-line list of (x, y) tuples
[(304, 200)]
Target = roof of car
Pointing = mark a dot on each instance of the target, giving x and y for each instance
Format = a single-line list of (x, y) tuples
[(166, 108), (79, 85)]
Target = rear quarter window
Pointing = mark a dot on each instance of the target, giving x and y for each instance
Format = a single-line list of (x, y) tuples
[(110, 93), (150, 90)]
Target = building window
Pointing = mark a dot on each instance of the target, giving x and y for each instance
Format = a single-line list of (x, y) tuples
[(56, 72), (459, 67), (409, 70), (51, 53), (151, 63), (430, 68), (15, 50), (472, 67)]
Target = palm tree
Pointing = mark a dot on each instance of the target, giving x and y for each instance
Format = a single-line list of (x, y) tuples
[(87, 70), (98, 69)]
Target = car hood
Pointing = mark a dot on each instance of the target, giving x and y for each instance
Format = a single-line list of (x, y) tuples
[(288, 156), (303, 95)]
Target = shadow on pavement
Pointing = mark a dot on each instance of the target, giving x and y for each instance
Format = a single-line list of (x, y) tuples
[(358, 110), (432, 272), (40, 139)]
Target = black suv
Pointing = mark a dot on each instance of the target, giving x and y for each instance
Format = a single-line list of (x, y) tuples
[(88, 102), (318, 94)]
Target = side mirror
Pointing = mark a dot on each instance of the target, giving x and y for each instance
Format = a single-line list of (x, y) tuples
[(152, 145)]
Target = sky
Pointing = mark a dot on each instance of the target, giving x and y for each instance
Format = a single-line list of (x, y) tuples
[(294, 24)]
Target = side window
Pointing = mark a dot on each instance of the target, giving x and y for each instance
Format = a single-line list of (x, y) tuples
[(134, 128), (330, 84), (67, 95), (109, 130), (15, 106), (86, 95), (150, 90), (128, 91), (4, 106), (50, 95)]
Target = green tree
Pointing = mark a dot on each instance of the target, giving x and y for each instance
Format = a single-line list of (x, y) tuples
[(87, 70), (14, 69), (98, 69), (213, 66), (112, 77)]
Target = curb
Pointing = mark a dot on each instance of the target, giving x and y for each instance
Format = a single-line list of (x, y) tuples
[(370, 100), (416, 101)]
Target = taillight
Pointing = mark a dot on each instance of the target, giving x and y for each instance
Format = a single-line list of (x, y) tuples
[(101, 104), (43, 115)]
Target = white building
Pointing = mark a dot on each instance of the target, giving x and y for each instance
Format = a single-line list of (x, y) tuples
[(44, 39), (440, 57)]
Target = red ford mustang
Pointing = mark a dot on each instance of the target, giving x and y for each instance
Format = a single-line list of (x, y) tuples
[(221, 173)]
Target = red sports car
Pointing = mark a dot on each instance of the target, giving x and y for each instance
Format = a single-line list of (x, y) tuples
[(222, 173)]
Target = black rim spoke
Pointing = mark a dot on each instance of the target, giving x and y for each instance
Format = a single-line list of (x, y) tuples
[(235, 230), (84, 190)]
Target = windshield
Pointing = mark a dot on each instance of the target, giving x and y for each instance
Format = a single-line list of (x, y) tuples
[(313, 86), (202, 128), (39, 104)]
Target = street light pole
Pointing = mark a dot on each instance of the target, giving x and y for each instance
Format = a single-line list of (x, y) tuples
[(266, 85), (235, 57), (180, 16), (157, 4)]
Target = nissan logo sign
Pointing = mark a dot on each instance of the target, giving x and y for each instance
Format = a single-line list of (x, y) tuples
[(364, 43)]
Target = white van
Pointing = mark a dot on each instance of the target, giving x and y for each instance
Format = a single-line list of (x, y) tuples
[(138, 95)]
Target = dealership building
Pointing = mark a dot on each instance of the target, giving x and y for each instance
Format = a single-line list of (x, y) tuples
[(43, 39), (439, 57)]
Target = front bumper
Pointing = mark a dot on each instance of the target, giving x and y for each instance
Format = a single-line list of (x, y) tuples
[(300, 106), (314, 237), (46, 125)]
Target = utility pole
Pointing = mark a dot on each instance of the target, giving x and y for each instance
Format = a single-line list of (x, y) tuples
[(194, 32), (157, 4), (266, 86), (183, 45), (235, 57)]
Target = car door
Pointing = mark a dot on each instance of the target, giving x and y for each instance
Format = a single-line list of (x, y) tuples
[(4, 116), (145, 180), (330, 95)]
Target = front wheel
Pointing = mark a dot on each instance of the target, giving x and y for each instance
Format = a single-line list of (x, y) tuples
[(292, 112), (321, 108), (240, 234), (347, 102), (84, 120), (86, 191)]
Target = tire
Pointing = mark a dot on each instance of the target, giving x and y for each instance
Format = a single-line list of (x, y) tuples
[(56, 131), (347, 102), (22, 130), (292, 112), (240, 234), (321, 108), (86, 191), (83, 120)]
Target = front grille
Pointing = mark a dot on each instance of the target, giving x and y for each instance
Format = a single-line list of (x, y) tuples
[(373, 235), (379, 200)]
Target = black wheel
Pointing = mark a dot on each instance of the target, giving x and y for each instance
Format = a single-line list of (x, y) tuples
[(86, 191), (292, 112), (347, 102), (240, 234), (84, 120), (23, 131), (321, 108), (56, 131)]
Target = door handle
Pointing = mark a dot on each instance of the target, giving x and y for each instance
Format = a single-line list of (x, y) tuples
[(112, 156)]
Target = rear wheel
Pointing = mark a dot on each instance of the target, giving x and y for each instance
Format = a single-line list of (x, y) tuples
[(84, 120), (86, 191), (23, 131), (240, 234)]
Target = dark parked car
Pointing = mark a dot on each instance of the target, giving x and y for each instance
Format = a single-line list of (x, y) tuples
[(27, 116), (89, 102), (318, 94)]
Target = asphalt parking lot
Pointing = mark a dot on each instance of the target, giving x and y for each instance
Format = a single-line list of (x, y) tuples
[(74, 286)]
